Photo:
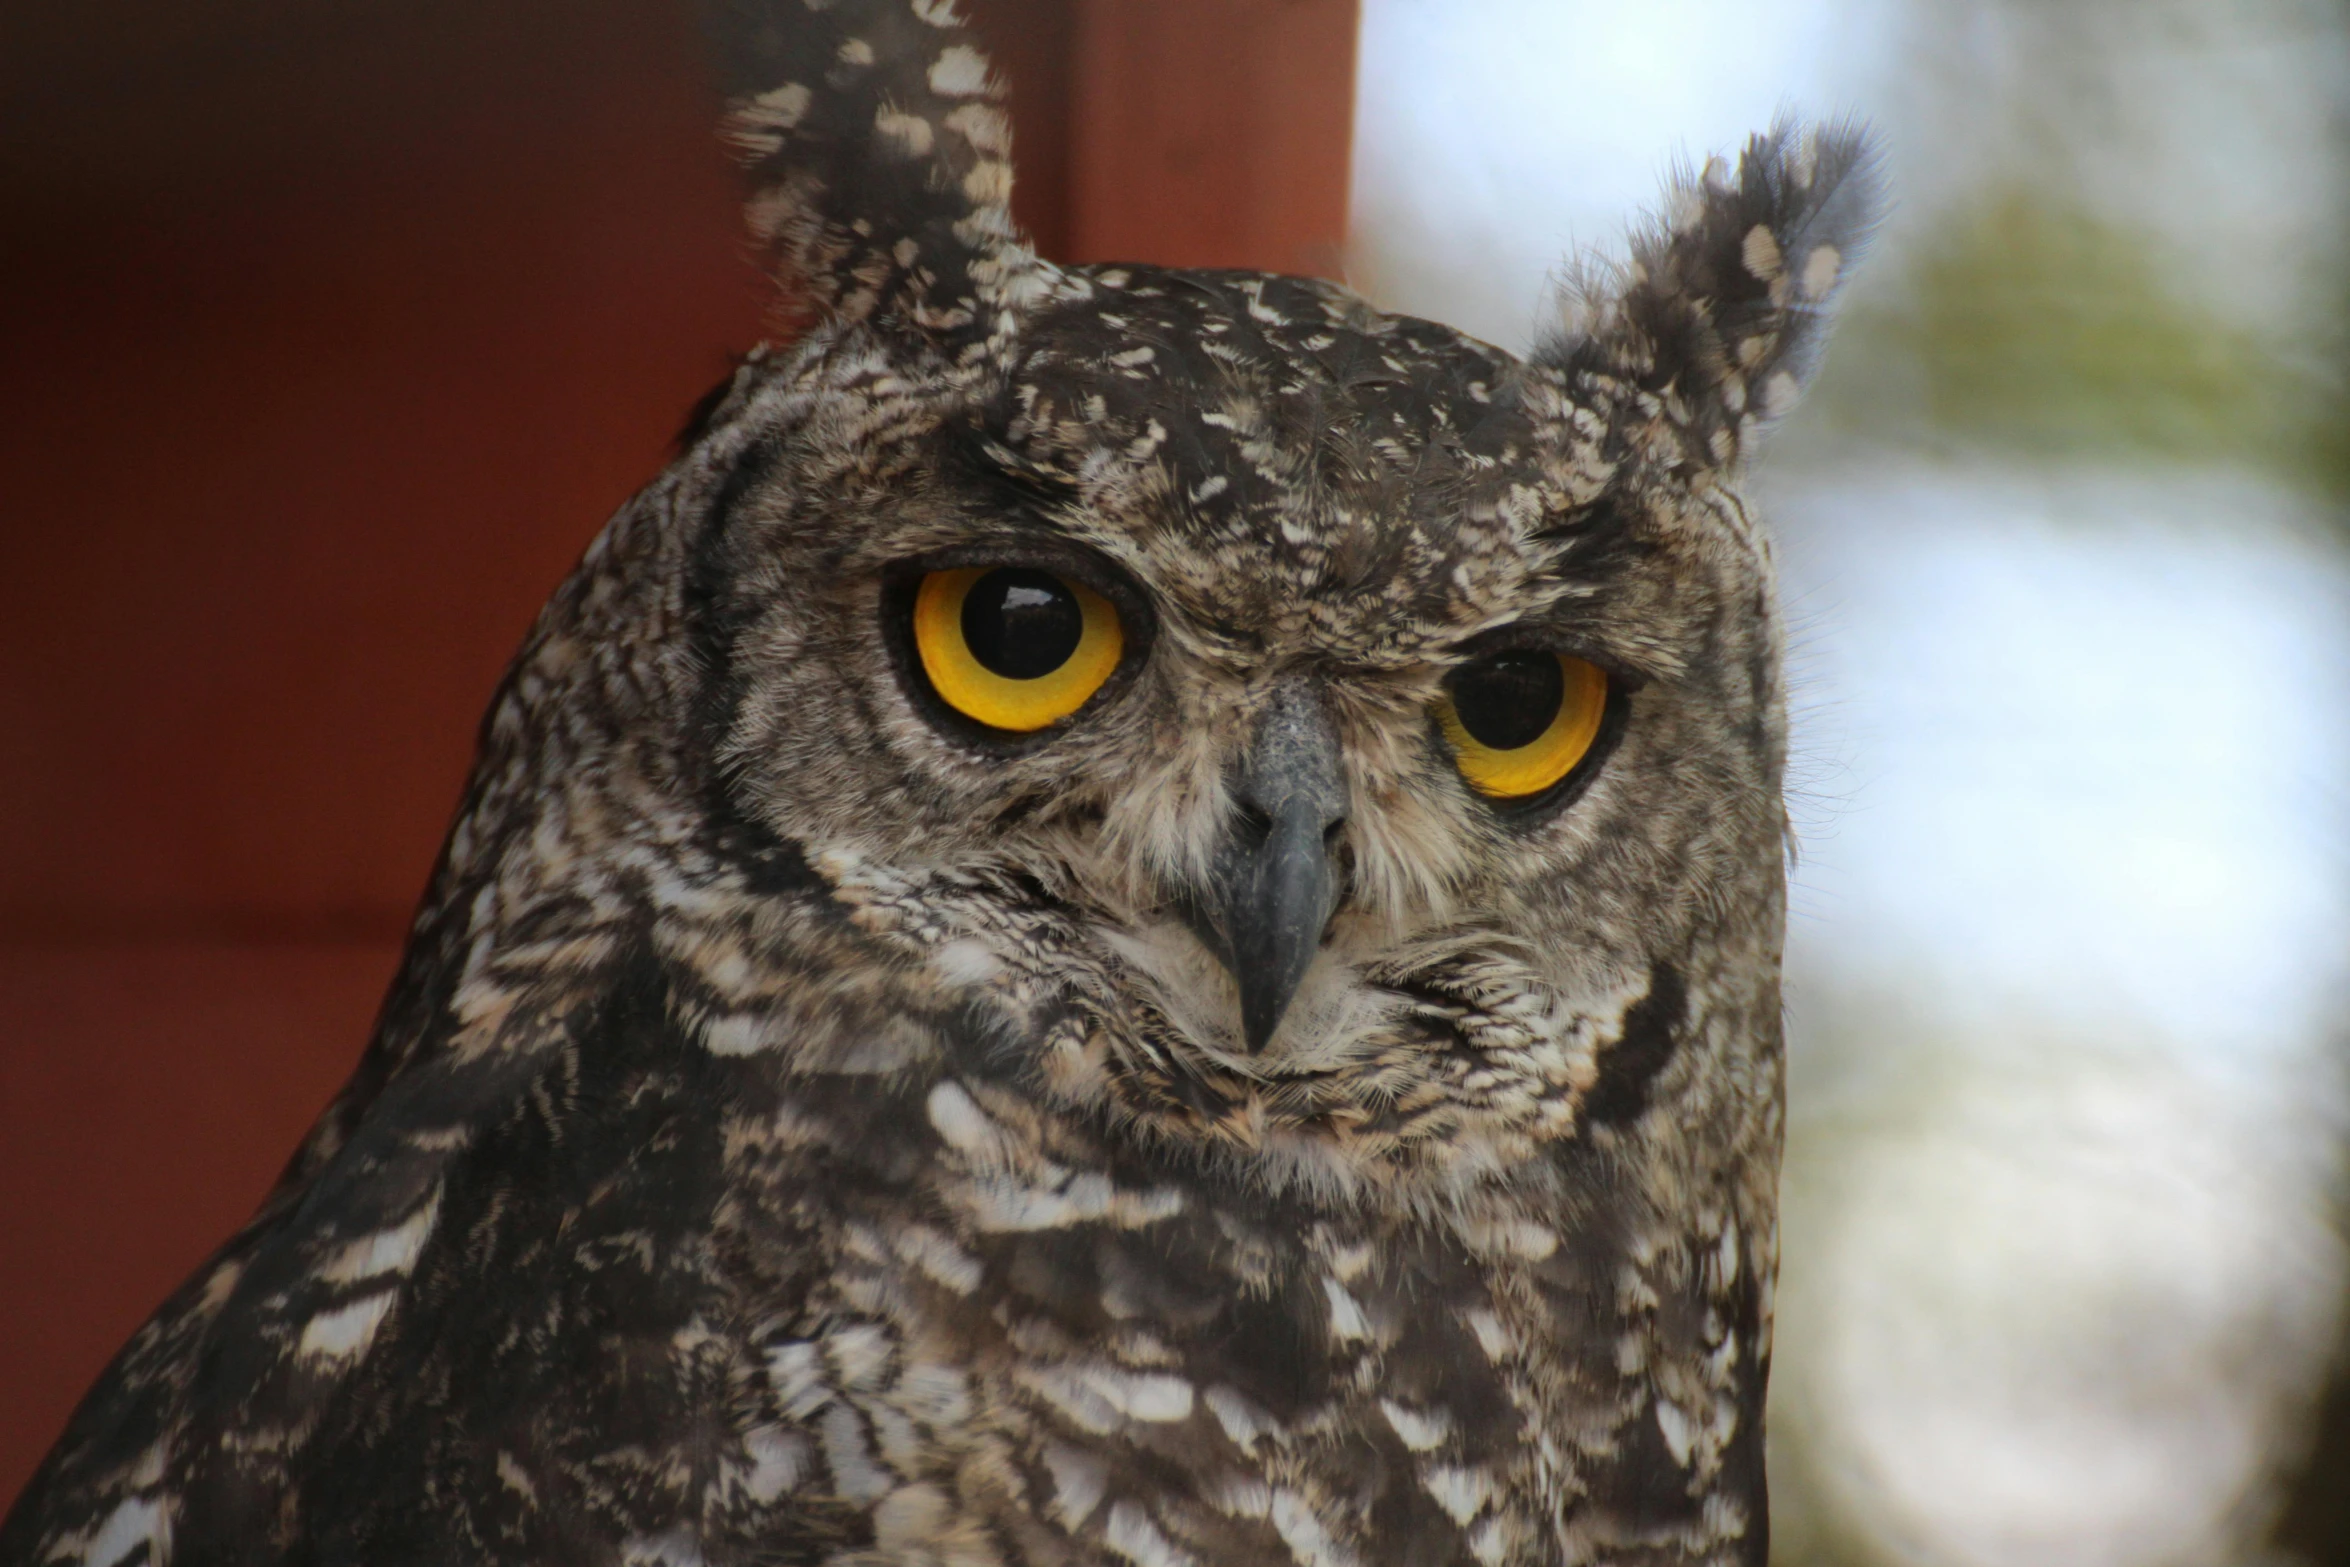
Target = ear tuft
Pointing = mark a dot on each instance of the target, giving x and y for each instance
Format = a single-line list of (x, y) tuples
[(879, 155), (1723, 309)]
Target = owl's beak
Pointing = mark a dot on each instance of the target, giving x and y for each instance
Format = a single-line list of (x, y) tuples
[(1275, 880)]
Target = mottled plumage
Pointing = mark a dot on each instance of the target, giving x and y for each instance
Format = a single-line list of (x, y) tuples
[(808, 1130)]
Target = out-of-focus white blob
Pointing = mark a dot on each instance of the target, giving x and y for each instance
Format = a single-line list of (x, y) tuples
[(2075, 742), (2067, 985), (2056, 1303)]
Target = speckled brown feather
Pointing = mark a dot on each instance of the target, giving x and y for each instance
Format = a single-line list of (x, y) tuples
[(806, 1132)]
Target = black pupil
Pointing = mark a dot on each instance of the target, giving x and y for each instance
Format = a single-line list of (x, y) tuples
[(1020, 623), (1506, 701)]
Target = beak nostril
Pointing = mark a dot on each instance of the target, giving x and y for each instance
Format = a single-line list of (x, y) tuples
[(1331, 833)]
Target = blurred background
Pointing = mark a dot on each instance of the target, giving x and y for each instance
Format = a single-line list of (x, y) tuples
[(331, 335)]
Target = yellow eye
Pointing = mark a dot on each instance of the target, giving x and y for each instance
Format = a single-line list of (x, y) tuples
[(1014, 647), (1520, 720)]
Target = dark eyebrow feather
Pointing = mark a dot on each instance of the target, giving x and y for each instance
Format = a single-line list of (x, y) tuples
[(986, 463)]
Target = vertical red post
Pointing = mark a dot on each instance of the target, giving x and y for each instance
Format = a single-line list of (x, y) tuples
[(1214, 133)]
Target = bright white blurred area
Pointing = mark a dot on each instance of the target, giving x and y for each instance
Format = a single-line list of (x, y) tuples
[(2065, 983), (1494, 137), (2063, 544), (2075, 742)]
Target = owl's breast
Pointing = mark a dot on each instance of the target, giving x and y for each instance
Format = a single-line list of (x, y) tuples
[(1029, 1346)]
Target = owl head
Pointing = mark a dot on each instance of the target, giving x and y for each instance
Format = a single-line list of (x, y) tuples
[(1303, 737)]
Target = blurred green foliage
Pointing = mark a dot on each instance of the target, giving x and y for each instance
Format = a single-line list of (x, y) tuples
[(2030, 325)]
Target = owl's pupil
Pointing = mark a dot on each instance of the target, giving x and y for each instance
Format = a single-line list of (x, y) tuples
[(1020, 623), (1508, 700)]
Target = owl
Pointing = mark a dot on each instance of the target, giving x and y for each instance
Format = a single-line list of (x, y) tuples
[(1133, 917)]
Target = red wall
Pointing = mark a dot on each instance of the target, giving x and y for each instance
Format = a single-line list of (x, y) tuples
[(328, 336)]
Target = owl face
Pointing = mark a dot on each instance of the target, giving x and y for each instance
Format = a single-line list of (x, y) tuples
[(1291, 734), (1313, 730)]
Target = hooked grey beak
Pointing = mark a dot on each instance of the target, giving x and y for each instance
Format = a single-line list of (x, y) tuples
[(1275, 883)]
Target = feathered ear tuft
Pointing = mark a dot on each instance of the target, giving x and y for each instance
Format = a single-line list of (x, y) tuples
[(1724, 307), (880, 162)]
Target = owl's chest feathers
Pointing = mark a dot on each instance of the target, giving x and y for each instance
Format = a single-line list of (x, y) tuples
[(949, 1288)]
